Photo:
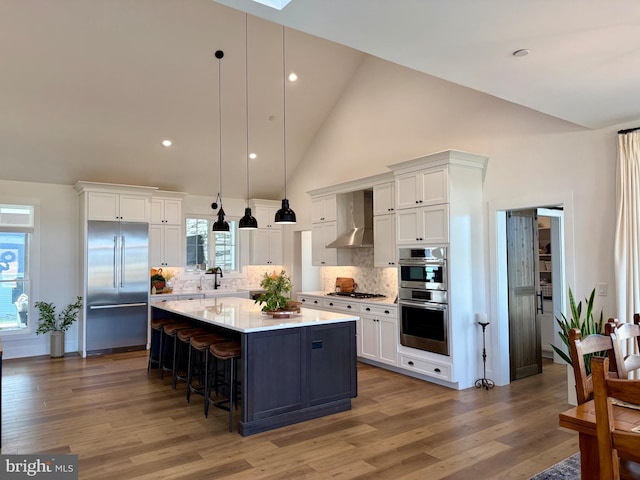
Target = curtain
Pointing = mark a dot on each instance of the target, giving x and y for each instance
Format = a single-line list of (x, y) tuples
[(627, 239)]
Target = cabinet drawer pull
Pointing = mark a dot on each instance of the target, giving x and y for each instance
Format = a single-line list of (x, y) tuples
[(304, 299), (348, 306), (437, 370), (387, 312), (315, 301), (410, 363), (368, 309), (331, 304)]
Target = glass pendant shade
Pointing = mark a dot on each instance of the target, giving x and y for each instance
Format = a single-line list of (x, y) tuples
[(285, 215), (220, 225), (248, 222)]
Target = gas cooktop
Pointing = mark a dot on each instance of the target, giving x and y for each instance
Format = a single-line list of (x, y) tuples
[(356, 295)]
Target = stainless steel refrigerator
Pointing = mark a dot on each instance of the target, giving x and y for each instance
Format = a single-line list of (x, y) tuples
[(117, 286)]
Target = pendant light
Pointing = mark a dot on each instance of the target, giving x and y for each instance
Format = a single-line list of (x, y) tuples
[(285, 215), (248, 222), (220, 225)]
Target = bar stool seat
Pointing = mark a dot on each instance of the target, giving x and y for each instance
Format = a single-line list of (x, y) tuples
[(200, 344), (156, 324), (224, 351), (170, 330), (182, 339)]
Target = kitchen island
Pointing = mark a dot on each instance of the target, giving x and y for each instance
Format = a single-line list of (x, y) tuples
[(292, 369)]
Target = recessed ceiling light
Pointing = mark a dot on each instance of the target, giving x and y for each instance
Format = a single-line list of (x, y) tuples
[(523, 52), (293, 77), (252, 156), (167, 143)]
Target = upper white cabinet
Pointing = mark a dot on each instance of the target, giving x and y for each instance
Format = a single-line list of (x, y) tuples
[(384, 241), (117, 206), (266, 246), (166, 211), (324, 209), (321, 235), (384, 198), (113, 202), (425, 225), (422, 187), (166, 232), (264, 211)]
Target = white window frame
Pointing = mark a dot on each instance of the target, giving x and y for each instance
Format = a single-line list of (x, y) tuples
[(33, 264)]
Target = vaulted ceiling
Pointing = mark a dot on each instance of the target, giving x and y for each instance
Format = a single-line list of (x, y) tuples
[(89, 89)]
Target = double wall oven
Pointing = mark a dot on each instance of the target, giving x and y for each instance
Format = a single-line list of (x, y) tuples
[(422, 299)]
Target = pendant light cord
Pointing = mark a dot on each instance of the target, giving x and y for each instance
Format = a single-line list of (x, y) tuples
[(284, 112), (246, 90), (219, 55)]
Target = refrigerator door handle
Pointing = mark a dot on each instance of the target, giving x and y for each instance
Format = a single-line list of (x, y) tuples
[(120, 305), (115, 265), (122, 261)]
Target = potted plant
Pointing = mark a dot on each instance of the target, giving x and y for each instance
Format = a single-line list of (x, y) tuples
[(587, 326), (276, 285), (57, 325)]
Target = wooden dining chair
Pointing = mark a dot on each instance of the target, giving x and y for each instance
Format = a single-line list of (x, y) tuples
[(618, 450), (624, 364), (578, 348)]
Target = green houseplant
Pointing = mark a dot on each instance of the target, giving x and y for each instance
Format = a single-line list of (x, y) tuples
[(276, 285), (56, 325), (588, 325)]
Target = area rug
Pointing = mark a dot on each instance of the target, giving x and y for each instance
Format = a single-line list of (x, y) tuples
[(567, 469)]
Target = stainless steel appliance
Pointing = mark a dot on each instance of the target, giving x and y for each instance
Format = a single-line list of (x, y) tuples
[(117, 286), (424, 268), (423, 299)]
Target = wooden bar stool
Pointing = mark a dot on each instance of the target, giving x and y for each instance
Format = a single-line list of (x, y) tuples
[(182, 341), (198, 360), (169, 332), (230, 351), (156, 324)]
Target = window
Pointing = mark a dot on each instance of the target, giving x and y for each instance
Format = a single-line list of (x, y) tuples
[(16, 230), (207, 249)]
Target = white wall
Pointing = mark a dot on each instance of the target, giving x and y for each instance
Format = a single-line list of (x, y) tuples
[(56, 274), (390, 114)]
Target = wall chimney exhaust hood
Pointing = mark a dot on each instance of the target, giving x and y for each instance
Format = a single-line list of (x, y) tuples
[(359, 222)]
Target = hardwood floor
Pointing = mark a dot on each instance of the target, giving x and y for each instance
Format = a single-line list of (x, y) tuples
[(125, 425)]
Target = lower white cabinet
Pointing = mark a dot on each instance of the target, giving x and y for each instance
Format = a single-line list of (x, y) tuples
[(379, 338), (165, 245), (426, 367)]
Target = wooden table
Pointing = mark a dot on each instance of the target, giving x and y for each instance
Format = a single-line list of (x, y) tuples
[(583, 420)]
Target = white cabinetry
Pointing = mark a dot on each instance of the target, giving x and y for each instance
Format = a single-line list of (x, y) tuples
[(166, 232), (423, 225), (439, 201), (265, 242), (383, 198), (379, 338), (109, 206), (384, 240), (384, 225), (166, 211), (323, 209), (325, 230), (422, 187)]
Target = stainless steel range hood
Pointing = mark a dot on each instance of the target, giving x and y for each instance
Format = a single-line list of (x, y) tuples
[(359, 221)]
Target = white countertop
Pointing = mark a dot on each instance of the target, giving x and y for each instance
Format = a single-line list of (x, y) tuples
[(381, 301), (245, 316), (195, 291)]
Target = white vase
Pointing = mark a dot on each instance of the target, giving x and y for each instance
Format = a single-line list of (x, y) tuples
[(57, 344)]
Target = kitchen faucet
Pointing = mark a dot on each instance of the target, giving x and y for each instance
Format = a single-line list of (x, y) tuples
[(216, 271)]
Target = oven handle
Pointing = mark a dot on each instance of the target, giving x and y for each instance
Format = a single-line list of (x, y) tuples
[(424, 305), (406, 262)]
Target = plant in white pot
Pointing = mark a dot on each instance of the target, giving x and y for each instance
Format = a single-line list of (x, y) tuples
[(57, 325)]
